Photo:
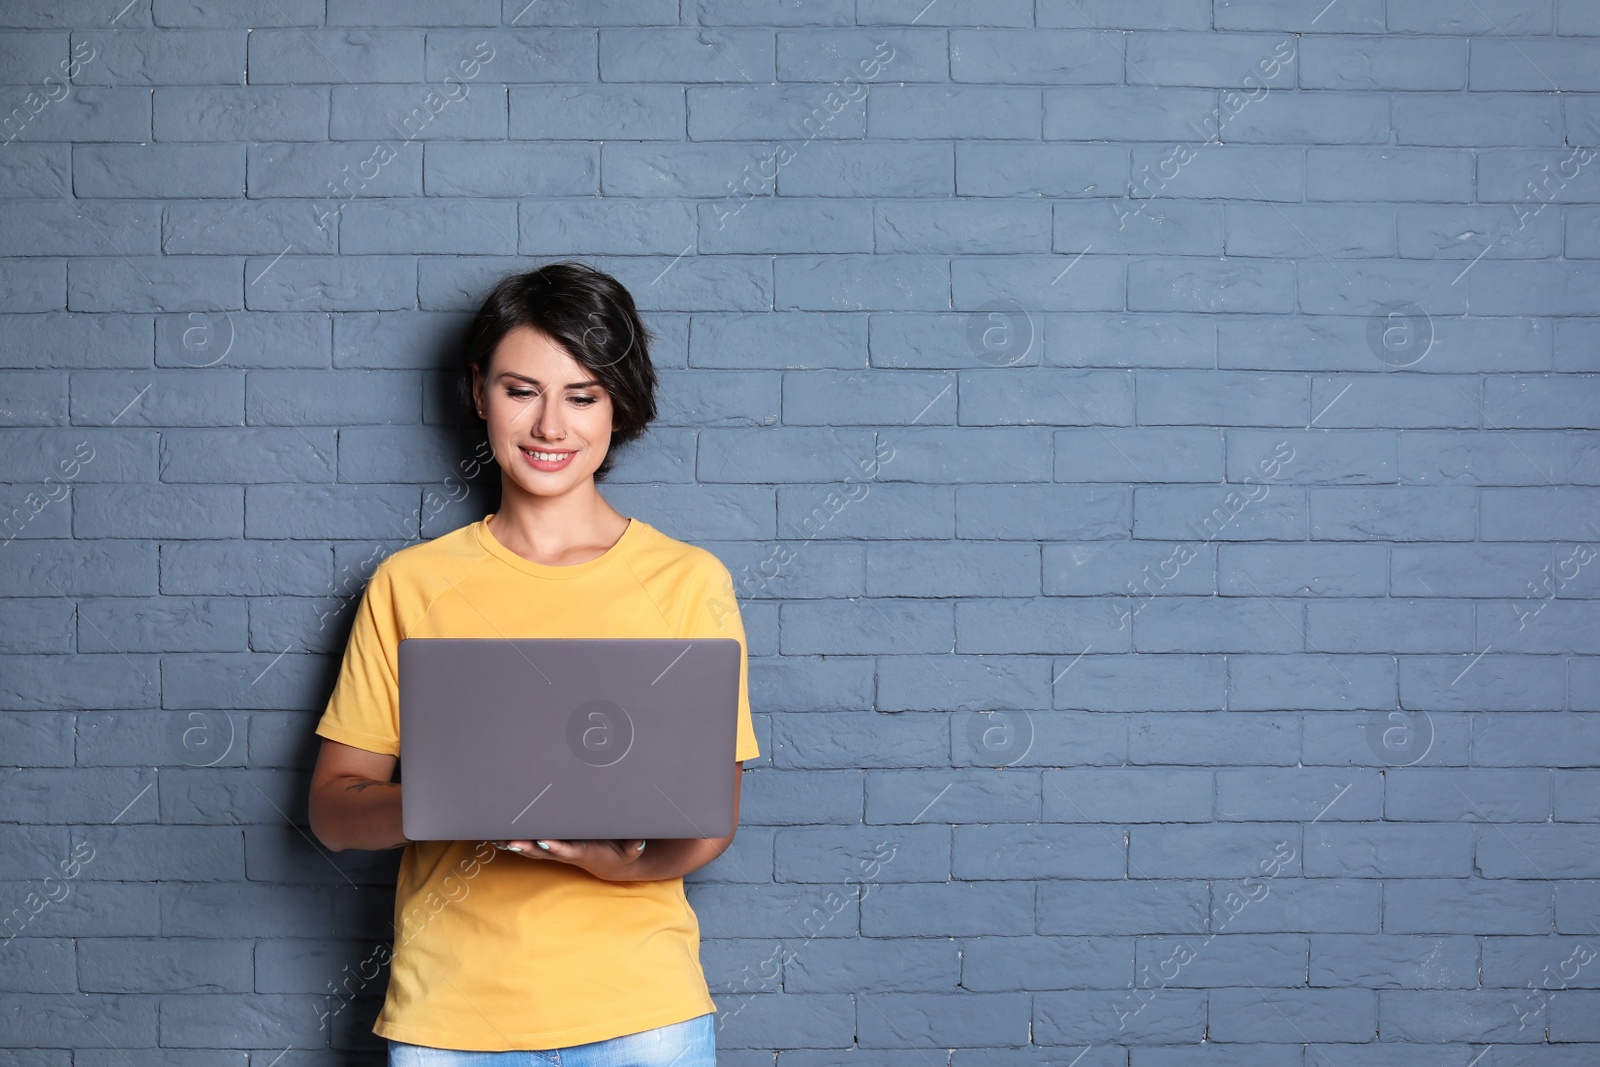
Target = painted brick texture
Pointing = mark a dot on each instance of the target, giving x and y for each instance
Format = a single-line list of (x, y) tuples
[(1154, 443)]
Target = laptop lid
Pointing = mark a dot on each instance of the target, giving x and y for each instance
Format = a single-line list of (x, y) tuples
[(568, 738)]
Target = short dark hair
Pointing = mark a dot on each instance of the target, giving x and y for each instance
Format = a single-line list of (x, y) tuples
[(588, 313)]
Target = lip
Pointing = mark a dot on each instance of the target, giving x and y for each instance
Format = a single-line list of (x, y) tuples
[(547, 465)]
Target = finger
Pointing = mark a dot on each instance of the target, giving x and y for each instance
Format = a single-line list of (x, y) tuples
[(524, 846)]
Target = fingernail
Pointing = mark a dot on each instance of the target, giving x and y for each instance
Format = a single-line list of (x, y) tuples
[(542, 845), (513, 848), (639, 847)]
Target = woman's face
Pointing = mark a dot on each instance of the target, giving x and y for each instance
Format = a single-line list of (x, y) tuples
[(538, 399)]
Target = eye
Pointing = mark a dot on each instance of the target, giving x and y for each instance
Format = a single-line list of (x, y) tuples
[(519, 393), (586, 400)]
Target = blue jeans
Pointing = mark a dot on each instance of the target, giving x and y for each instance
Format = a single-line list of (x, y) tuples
[(691, 1043)]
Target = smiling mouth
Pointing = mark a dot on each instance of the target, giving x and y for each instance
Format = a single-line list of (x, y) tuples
[(546, 457)]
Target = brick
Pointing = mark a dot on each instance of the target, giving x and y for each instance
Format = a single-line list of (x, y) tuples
[(233, 228), (1038, 624), (1124, 340), (247, 455), (144, 737), (1206, 513), (1392, 513), (1133, 906), (809, 225), (617, 226), (248, 13), (1314, 118), (833, 55), (1395, 962), (1101, 1016), (179, 511), (863, 966), (739, 12), (978, 283), (157, 398), (315, 512), (1494, 683), (1216, 739), (1127, 795), (158, 170), (150, 284), (838, 740), (1311, 570), (1531, 63), (334, 56), (223, 1020), (241, 113), (407, 113), (684, 55), (793, 113), (93, 113), (1042, 170), (863, 397), (1399, 63), (1549, 288), (907, 568), (1131, 112), (1219, 60), (1139, 454), (856, 861), (861, 283), (1536, 513), (486, 169), (1318, 1015), (52, 1020), (876, 169), (1401, 626), (962, 682), (335, 173), (38, 286), (1178, 227), (57, 228), (504, 55), (1032, 57), (1194, 284), (567, 112), (1104, 682), (959, 111), (1488, 457), (165, 57), (1004, 397), (1250, 794)]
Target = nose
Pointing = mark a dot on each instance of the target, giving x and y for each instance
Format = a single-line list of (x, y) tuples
[(550, 425)]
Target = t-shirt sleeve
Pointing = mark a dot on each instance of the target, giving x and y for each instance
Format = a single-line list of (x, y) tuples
[(364, 710), (714, 612)]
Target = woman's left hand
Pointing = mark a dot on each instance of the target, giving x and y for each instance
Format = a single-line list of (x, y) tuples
[(610, 860)]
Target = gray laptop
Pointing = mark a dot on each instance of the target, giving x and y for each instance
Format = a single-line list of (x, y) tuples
[(567, 738)]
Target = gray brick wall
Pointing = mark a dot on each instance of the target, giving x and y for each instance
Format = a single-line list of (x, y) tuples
[(1153, 442)]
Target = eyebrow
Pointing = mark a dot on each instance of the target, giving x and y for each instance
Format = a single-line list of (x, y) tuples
[(535, 381)]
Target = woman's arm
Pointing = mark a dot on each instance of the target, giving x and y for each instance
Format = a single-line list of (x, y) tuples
[(355, 803), (674, 857)]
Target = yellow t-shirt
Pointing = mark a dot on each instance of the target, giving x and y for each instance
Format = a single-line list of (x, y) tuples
[(493, 951)]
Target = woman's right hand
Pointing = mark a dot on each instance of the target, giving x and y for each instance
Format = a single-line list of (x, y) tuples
[(610, 860)]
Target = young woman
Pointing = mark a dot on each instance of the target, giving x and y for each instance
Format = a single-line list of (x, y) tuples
[(586, 947)]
